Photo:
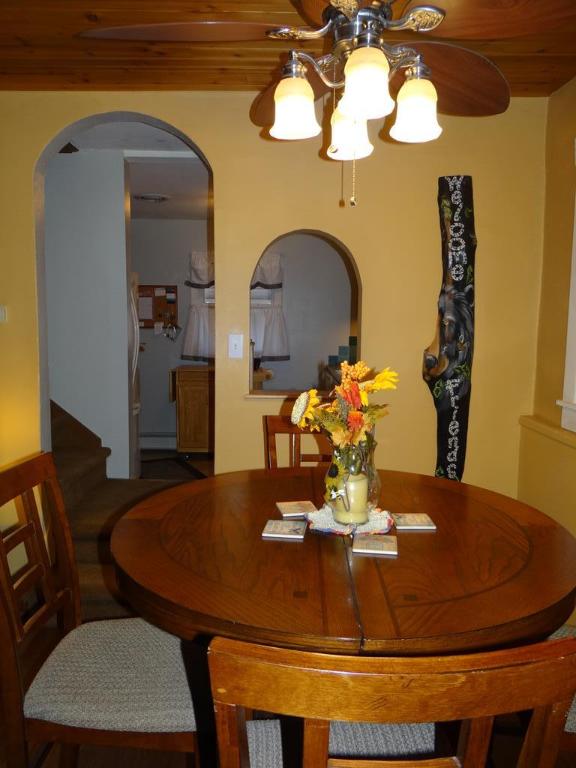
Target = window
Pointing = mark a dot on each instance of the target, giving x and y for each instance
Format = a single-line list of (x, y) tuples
[(568, 402)]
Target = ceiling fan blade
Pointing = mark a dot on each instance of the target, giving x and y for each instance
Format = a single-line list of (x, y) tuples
[(499, 19), (468, 84), (262, 109), (185, 31)]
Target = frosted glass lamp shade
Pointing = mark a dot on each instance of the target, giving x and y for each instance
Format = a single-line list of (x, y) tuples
[(349, 138), (295, 117), (366, 95), (416, 119)]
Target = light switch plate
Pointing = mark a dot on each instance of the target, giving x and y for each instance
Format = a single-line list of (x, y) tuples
[(235, 344)]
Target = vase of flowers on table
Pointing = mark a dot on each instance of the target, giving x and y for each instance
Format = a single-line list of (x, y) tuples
[(348, 420)]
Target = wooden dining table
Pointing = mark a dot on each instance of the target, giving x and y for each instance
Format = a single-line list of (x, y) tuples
[(495, 572)]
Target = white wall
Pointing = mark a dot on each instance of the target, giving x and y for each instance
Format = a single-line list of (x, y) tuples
[(86, 295), (316, 299), (160, 254)]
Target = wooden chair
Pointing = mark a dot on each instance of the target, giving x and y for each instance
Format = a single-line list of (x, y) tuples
[(321, 688), (281, 425), (120, 682)]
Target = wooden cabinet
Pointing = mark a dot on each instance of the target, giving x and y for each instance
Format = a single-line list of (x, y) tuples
[(192, 387)]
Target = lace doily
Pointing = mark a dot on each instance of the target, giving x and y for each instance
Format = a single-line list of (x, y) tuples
[(379, 521)]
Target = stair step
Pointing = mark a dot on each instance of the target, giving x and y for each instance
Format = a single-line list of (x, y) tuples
[(93, 504), (99, 593), (91, 521), (79, 471), (94, 516), (68, 432)]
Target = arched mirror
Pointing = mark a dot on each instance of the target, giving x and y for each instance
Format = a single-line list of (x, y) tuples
[(304, 313)]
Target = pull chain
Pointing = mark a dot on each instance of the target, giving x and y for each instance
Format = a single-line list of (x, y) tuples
[(353, 196)]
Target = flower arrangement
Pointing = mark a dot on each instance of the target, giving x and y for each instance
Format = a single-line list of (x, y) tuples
[(349, 417), (352, 482)]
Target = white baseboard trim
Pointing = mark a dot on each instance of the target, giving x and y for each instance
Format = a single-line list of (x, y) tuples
[(159, 442)]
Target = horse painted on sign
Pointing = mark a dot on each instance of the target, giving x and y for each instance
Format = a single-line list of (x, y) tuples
[(447, 361)]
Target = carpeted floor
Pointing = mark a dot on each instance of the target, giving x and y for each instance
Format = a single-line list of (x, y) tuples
[(170, 465)]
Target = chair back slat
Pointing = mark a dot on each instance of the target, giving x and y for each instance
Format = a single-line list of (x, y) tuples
[(17, 536), (282, 425), (42, 616), (37, 545), (474, 687), (37, 583), (29, 578)]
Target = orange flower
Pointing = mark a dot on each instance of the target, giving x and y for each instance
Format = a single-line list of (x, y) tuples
[(355, 420), (351, 393)]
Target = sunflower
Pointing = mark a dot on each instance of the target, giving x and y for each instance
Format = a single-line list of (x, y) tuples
[(303, 409)]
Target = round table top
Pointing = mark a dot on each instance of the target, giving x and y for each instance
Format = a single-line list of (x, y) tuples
[(191, 559)]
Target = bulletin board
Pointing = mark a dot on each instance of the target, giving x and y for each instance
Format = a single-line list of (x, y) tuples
[(157, 304)]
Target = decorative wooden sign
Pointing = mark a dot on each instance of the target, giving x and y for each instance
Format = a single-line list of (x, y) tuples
[(447, 365)]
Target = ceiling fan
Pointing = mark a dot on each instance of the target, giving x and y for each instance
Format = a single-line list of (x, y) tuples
[(467, 83)]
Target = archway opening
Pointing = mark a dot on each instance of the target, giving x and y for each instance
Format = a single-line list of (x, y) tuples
[(123, 200), (305, 299)]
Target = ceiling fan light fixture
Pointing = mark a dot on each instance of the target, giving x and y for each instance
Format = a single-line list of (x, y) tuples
[(366, 95), (416, 113), (294, 116), (349, 138)]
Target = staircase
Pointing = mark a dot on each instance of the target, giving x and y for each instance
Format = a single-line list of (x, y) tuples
[(79, 456), (93, 504)]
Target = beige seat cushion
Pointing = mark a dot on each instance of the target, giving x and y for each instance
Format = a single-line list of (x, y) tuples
[(118, 675), (346, 740)]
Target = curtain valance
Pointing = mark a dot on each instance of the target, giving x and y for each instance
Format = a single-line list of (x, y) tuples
[(198, 341), (201, 269), (268, 272)]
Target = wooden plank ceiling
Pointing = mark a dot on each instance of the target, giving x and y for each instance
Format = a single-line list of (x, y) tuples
[(40, 48)]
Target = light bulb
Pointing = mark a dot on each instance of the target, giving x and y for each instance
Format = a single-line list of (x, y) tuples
[(366, 95), (349, 138), (416, 119), (295, 117)]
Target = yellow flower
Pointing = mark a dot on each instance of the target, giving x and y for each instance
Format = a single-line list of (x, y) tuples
[(386, 379), (340, 437), (303, 409), (354, 372)]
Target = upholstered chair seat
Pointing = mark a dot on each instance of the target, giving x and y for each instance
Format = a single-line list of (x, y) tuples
[(117, 675)]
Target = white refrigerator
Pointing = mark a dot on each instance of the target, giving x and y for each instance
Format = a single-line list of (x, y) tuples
[(134, 376)]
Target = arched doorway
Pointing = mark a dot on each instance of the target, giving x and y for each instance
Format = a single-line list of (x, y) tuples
[(105, 213), (305, 298)]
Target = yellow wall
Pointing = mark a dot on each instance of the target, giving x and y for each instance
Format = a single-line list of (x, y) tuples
[(548, 453), (263, 189)]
